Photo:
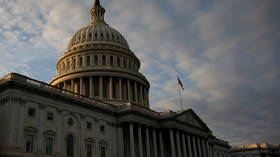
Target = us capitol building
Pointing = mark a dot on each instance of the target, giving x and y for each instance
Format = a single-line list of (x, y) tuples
[(96, 106)]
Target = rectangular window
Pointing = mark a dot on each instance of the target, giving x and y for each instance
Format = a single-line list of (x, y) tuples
[(89, 125), (49, 145), (50, 116), (29, 143), (102, 151), (89, 150), (102, 128), (31, 112)]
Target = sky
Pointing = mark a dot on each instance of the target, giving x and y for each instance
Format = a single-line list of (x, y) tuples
[(225, 52)]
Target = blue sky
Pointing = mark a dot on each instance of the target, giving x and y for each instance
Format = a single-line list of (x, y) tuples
[(226, 52)]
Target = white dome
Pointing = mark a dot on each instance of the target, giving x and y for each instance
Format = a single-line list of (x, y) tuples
[(97, 32)]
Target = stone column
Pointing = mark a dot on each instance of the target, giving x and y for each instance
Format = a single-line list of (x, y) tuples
[(155, 143), (189, 146), (72, 86), (178, 144), (131, 138), (120, 88), (100, 87), (90, 87), (111, 88), (81, 86), (120, 142), (141, 94), (128, 90), (20, 133), (199, 146), (140, 143), (161, 144), (204, 151), (184, 145), (208, 149), (147, 96), (59, 133), (194, 146), (41, 115), (82, 135), (148, 142), (144, 94), (135, 91), (173, 153)]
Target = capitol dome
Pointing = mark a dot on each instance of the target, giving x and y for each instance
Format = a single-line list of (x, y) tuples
[(97, 32), (99, 64)]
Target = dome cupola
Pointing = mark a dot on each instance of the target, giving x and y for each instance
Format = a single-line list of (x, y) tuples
[(99, 64)]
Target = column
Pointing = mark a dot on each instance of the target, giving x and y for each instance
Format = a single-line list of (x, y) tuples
[(72, 86), (208, 149), (135, 91), (100, 87), (81, 131), (189, 146), (128, 90), (111, 87), (161, 144), (173, 154), (90, 87), (59, 133), (120, 142), (204, 151), (120, 88), (20, 134), (178, 144), (140, 141), (199, 146), (141, 94), (131, 138), (184, 145), (144, 94), (148, 142), (155, 143), (194, 146), (41, 115), (81, 86)]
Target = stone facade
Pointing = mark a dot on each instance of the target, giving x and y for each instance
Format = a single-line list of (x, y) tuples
[(256, 150), (96, 106)]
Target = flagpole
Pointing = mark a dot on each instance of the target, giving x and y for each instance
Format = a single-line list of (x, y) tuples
[(180, 95)]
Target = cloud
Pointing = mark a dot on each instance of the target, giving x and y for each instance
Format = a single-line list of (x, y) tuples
[(225, 52)]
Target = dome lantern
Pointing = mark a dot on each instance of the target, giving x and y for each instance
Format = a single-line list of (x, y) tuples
[(97, 13)]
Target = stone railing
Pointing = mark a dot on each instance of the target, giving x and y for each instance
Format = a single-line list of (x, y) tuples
[(44, 86)]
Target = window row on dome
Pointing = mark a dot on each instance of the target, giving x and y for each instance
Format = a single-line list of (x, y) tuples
[(89, 36), (97, 60)]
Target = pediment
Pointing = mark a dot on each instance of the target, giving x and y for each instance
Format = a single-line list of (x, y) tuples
[(190, 118)]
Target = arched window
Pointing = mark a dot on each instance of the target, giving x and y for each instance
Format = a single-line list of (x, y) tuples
[(102, 148), (74, 63), (67, 65), (124, 63), (111, 60), (103, 60), (101, 36), (96, 60), (88, 60), (89, 36), (70, 146), (118, 61), (81, 61), (129, 64)]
